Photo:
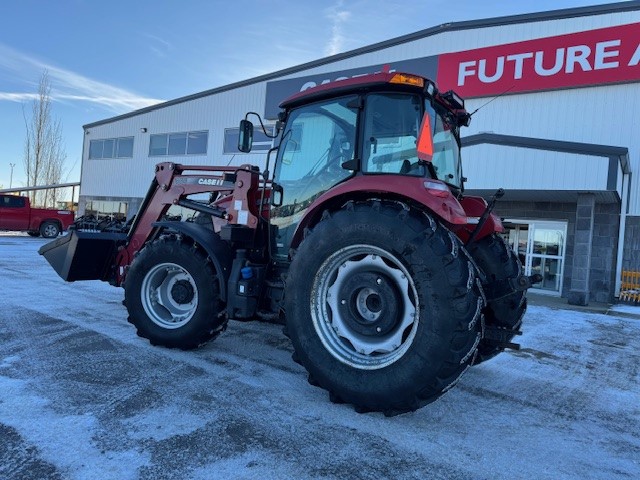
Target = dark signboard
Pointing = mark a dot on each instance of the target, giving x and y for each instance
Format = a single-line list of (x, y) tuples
[(279, 90)]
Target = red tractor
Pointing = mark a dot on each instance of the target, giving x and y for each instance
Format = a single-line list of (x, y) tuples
[(390, 282)]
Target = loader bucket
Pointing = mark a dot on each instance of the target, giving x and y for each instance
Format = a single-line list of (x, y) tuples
[(83, 255)]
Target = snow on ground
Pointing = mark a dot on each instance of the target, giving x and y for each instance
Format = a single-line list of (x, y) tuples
[(82, 397), (626, 308)]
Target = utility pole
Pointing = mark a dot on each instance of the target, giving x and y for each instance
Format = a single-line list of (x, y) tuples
[(11, 177)]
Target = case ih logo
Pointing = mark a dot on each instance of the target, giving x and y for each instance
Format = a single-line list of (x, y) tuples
[(607, 55)]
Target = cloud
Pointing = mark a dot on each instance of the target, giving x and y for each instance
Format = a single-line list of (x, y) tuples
[(159, 46), (338, 17), (17, 97), (65, 85)]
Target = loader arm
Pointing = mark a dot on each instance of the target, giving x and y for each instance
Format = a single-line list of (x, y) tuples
[(106, 256), (172, 186)]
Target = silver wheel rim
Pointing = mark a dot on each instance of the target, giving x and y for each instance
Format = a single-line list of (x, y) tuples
[(384, 305), (51, 230), (169, 295)]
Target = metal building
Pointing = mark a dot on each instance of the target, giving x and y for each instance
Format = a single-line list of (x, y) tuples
[(560, 136)]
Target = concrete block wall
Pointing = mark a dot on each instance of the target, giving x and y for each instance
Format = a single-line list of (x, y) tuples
[(631, 257), (580, 291), (604, 252), (604, 240)]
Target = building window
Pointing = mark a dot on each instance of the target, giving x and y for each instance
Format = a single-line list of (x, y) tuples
[(106, 210), (261, 143), (111, 148), (187, 143), (124, 148)]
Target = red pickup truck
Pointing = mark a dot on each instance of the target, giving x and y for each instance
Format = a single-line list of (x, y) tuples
[(16, 214)]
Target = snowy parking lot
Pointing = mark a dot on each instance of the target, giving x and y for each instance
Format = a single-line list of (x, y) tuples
[(82, 397)]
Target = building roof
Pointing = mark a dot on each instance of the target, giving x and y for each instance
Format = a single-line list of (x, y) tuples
[(445, 27)]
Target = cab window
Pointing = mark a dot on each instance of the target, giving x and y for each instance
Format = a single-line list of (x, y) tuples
[(392, 123), (11, 201)]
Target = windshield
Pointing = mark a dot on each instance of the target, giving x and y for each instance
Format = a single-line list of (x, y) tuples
[(446, 148)]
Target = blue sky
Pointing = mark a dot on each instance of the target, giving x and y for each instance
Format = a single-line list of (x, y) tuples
[(108, 58)]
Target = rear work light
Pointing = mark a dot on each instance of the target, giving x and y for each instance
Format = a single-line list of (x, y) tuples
[(454, 99), (436, 188), (403, 78)]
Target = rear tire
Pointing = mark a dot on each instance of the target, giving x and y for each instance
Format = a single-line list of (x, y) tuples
[(49, 230), (382, 307), (172, 295), (497, 261)]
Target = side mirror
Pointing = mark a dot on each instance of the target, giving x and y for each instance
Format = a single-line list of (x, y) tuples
[(245, 139), (276, 195)]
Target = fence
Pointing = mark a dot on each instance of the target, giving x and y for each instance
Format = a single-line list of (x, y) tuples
[(630, 288)]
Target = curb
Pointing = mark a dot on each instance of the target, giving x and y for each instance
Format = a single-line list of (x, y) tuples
[(632, 316), (558, 303)]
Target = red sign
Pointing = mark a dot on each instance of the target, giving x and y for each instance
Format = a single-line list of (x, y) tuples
[(606, 55)]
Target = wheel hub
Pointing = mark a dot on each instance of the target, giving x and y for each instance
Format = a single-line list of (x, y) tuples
[(182, 292), (169, 295), (369, 303)]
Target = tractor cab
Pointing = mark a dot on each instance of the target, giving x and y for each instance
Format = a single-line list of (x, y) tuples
[(385, 125)]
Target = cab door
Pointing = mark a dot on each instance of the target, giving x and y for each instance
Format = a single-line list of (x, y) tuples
[(315, 154)]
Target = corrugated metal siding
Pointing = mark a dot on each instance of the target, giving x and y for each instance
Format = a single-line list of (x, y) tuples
[(131, 177), (493, 166), (598, 115)]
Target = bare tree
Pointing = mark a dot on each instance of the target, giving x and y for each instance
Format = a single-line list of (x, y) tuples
[(44, 152)]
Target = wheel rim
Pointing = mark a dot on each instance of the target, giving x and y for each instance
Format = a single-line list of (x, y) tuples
[(364, 307), (169, 295), (50, 230)]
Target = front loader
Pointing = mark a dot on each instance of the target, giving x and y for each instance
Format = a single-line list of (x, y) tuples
[(390, 281)]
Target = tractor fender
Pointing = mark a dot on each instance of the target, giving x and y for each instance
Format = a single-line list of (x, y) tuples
[(218, 250), (409, 189)]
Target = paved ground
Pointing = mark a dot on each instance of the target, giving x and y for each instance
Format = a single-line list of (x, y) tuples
[(81, 397)]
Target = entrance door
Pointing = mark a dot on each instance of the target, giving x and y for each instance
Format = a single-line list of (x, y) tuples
[(540, 246)]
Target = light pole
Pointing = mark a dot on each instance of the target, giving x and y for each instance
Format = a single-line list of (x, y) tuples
[(11, 177)]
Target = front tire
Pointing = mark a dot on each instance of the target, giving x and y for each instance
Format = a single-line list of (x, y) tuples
[(172, 295), (383, 308)]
